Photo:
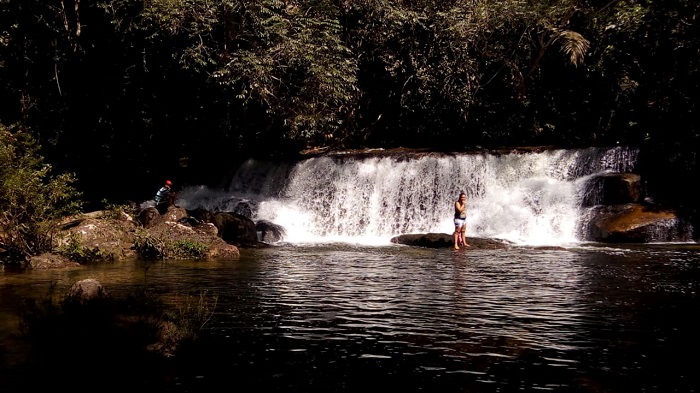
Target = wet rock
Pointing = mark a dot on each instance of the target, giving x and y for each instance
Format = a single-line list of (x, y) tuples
[(223, 252), (148, 216), (202, 215), (635, 223), (236, 229), (50, 261), (444, 240), (244, 209), (269, 231), (87, 290), (174, 214)]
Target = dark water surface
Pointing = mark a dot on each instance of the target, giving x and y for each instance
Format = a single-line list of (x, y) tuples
[(343, 318)]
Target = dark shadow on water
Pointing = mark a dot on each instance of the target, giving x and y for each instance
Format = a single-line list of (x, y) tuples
[(99, 344)]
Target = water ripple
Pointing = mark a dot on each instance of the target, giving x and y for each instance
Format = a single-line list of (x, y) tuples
[(581, 320)]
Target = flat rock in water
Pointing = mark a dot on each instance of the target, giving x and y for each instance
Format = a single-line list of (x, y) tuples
[(444, 240)]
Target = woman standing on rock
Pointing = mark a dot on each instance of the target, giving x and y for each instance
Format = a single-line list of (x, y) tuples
[(460, 221)]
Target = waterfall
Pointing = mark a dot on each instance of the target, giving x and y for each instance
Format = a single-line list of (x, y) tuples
[(528, 198)]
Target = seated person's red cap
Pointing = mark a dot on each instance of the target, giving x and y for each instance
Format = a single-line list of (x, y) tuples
[(168, 182)]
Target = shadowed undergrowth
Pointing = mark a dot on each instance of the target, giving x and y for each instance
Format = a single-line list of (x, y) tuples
[(116, 342)]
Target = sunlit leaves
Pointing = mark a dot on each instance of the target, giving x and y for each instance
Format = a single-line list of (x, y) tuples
[(31, 197), (299, 69), (285, 56), (573, 45), (324, 71)]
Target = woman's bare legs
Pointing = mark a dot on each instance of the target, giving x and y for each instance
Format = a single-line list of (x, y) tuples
[(463, 237)]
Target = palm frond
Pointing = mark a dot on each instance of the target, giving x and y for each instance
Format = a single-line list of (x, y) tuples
[(573, 45)]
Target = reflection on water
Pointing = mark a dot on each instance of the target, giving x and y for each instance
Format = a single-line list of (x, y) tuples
[(344, 318)]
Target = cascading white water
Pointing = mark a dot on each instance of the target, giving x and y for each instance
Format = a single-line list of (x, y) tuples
[(527, 198)]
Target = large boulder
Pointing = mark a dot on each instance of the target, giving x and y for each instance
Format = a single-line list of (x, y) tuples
[(147, 217), (236, 229), (86, 291), (150, 216), (204, 233), (201, 214), (635, 223), (113, 237), (104, 234), (269, 231), (243, 208)]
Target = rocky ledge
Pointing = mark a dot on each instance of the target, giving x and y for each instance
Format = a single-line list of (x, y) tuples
[(116, 235)]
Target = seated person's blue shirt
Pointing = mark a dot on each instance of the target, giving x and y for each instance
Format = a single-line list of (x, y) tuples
[(162, 195)]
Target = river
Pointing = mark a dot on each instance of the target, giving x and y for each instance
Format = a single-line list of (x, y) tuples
[(343, 317)]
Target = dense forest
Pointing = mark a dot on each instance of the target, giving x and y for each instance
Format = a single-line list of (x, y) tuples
[(125, 93)]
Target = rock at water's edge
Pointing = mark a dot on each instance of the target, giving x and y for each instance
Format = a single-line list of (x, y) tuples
[(444, 240)]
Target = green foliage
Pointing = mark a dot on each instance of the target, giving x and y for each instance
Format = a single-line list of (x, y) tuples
[(189, 249), (642, 92), (32, 200), (117, 211), (75, 251), (192, 313), (149, 247), (287, 59)]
